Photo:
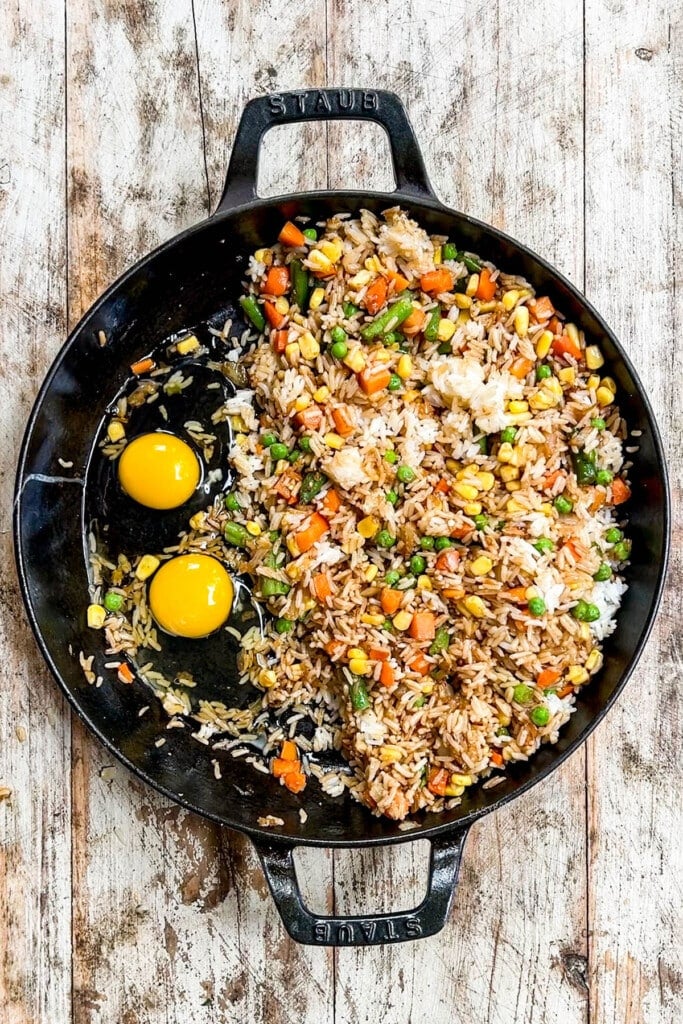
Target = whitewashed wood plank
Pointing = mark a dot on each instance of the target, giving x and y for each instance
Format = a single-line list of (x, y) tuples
[(503, 140), (35, 840), (634, 220)]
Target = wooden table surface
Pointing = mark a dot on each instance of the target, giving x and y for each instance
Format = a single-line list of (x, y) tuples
[(560, 124)]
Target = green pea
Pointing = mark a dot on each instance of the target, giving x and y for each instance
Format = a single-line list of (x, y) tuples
[(537, 606), (522, 694), (305, 444), (310, 233), (350, 309), (359, 694), (543, 545), (392, 497), (480, 521), (273, 535), (384, 539), (418, 564), (508, 434), (622, 550), (598, 423), (395, 382), (603, 573), (283, 625), (279, 451), (405, 474), (268, 439), (449, 251), (391, 457), (540, 716), (392, 578), (442, 639), (543, 372), (388, 625), (427, 543), (563, 505), (591, 613), (339, 350), (419, 702), (231, 503), (579, 611), (441, 543), (113, 602), (502, 730), (338, 334), (604, 477), (613, 535), (236, 534), (252, 309)]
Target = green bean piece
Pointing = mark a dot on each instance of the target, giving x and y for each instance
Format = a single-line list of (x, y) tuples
[(431, 331), (449, 251), (445, 348), (269, 587), (252, 310), (508, 434), (231, 503), (441, 641), (584, 467), (359, 694), (236, 534), (474, 266), (300, 283), (483, 444), (311, 485), (391, 318), (349, 309)]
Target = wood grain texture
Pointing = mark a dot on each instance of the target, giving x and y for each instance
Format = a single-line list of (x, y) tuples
[(35, 839)]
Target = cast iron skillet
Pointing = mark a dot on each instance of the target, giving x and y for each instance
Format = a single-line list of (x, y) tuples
[(188, 281)]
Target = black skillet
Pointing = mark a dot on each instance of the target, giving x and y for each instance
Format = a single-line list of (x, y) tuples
[(188, 282)]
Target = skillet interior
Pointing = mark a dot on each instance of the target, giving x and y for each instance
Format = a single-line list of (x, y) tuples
[(191, 279)]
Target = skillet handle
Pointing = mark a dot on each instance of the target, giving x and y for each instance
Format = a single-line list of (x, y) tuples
[(312, 929), (263, 113)]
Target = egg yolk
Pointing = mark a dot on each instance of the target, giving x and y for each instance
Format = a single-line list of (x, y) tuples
[(158, 470), (191, 595)]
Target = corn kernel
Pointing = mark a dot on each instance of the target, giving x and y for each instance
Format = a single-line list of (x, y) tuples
[(546, 508), (475, 606), (368, 527), (282, 305), (585, 630), (293, 549), (541, 401), (356, 652), (543, 344), (452, 465), (322, 394), (371, 573), (317, 298), (445, 330), (292, 352), (472, 285), (410, 395), (302, 402), (95, 616), (463, 317), (146, 566), (461, 780), (467, 491), (371, 619), (594, 357), (116, 431), (486, 480), (519, 419), (372, 263), (513, 485), (308, 346), (197, 520), (531, 592), (389, 754), (237, 423), (521, 321), (604, 396), (263, 256), (427, 687), (572, 331), (402, 620), (424, 583), (253, 528), (472, 508), (481, 566), (462, 301), (577, 675), (508, 473), (487, 307), (454, 790), (438, 256), (567, 375), (508, 454), (332, 250), (512, 505), (515, 406), (404, 367), (553, 386), (609, 382), (360, 279), (241, 440), (355, 360), (333, 440), (510, 299), (594, 660), (360, 666), (593, 382), (317, 260), (267, 678), (187, 345)]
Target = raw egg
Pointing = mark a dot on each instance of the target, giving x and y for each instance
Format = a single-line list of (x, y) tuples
[(158, 470), (191, 595)]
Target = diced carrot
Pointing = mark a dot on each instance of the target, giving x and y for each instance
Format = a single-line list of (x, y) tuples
[(550, 479), (342, 421), (331, 501), (289, 751), (279, 340), (436, 281), (287, 486), (142, 366), (566, 346), (448, 560), (295, 782), (599, 499), (321, 586), (334, 648), (547, 677), (390, 600), (443, 486), (310, 418), (386, 675), (274, 318), (400, 282), (374, 378), (414, 322), (281, 767), (276, 281), (423, 626), (458, 532), (573, 549), (521, 367), (620, 491), (315, 528), (565, 691), (419, 664), (486, 288), (541, 308), (497, 758), (378, 654), (453, 593), (437, 781), (376, 295), (517, 594), (124, 673), (555, 325), (291, 235)]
